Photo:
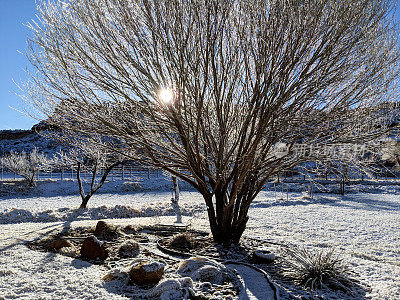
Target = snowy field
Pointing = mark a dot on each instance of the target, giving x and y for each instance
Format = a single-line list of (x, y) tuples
[(363, 227)]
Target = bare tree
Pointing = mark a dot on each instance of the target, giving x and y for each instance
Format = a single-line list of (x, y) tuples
[(26, 165), (207, 89), (88, 156)]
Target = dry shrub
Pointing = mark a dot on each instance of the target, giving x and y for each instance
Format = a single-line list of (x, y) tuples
[(317, 270), (182, 241)]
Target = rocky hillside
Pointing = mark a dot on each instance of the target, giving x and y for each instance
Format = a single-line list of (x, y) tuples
[(26, 140)]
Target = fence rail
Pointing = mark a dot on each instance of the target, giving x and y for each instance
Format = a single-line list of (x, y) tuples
[(135, 173), (118, 173)]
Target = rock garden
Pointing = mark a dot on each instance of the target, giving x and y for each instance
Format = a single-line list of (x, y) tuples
[(166, 261)]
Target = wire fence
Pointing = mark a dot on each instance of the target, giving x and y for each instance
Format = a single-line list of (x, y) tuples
[(118, 173), (129, 173)]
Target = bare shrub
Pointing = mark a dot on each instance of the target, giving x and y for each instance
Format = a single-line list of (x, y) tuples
[(26, 165), (182, 241)]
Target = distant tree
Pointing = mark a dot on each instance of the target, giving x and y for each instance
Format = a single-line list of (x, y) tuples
[(206, 90), (26, 165), (88, 155)]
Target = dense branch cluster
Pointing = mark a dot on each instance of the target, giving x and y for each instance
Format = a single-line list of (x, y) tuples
[(26, 165), (245, 76)]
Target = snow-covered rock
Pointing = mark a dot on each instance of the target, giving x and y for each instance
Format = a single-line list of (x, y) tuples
[(204, 270), (144, 272), (129, 248), (263, 256)]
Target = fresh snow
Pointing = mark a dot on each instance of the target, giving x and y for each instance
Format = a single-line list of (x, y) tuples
[(363, 227), (254, 284)]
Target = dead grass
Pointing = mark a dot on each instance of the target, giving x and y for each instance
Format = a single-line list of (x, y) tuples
[(316, 270)]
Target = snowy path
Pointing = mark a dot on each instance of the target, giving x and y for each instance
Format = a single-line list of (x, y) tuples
[(255, 284)]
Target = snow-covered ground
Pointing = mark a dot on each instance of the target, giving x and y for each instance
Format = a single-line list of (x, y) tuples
[(364, 227)]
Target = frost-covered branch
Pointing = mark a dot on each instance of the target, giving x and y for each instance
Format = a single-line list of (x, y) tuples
[(26, 165), (206, 89), (88, 155)]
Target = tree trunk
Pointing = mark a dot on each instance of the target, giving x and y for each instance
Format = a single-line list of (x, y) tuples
[(227, 234), (228, 223), (85, 201), (342, 185), (93, 186)]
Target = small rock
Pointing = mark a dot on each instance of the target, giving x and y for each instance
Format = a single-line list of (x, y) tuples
[(129, 248), (92, 248), (106, 231), (144, 272), (117, 274), (59, 243), (68, 251), (263, 256), (171, 288), (129, 229), (208, 274)]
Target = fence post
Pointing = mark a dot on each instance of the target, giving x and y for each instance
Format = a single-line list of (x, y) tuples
[(123, 171)]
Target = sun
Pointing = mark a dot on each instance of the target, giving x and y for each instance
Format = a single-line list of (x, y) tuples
[(166, 96)]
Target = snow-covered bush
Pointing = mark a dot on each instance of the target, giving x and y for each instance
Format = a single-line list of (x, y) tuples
[(316, 270), (25, 164)]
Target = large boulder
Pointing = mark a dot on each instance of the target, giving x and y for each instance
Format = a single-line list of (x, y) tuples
[(129, 248), (146, 272), (92, 248)]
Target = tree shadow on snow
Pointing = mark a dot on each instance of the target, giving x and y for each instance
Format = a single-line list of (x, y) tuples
[(366, 202), (293, 202), (357, 201), (22, 241), (80, 264)]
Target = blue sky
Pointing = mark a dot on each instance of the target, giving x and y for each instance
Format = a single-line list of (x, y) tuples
[(15, 13)]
